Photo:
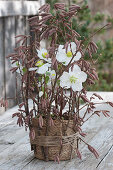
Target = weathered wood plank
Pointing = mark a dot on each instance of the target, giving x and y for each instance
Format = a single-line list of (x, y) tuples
[(14, 8), (7, 156), (9, 46), (2, 87), (20, 27), (7, 139), (42, 2)]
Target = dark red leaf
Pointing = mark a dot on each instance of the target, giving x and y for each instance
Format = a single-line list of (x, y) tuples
[(21, 104), (32, 134), (16, 114), (105, 113), (82, 134), (51, 122), (40, 121), (78, 154), (85, 99), (93, 151), (110, 103)]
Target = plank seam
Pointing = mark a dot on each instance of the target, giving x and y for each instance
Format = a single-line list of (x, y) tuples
[(28, 163), (104, 156)]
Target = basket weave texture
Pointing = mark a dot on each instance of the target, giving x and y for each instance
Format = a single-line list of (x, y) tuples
[(61, 140)]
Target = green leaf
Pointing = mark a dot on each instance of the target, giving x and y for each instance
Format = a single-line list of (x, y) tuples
[(46, 79), (39, 79), (43, 89), (47, 73), (24, 70)]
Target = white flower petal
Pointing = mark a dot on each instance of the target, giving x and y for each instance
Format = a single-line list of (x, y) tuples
[(39, 54), (43, 69), (52, 74), (77, 57), (64, 80), (41, 93), (77, 86), (73, 47), (82, 76), (43, 50), (76, 69), (48, 60), (18, 71), (64, 85), (32, 68), (60, 48), (61, 57), (64, 76)]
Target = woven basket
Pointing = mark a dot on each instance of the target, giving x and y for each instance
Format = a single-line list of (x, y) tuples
[(60, 141)]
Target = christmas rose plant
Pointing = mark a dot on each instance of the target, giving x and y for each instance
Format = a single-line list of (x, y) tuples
[(55, 78)]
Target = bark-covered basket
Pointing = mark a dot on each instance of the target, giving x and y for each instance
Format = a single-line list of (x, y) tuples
[(61, 140)]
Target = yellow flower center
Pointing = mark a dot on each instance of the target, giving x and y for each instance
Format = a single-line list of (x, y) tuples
[(39, 63), (69, 54), (53, 75), (73, 79), (44, 55)]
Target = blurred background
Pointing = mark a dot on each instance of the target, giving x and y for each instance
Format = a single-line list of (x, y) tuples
[(14, 21)]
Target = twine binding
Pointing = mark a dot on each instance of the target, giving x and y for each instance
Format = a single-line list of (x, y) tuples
[(54, 140)]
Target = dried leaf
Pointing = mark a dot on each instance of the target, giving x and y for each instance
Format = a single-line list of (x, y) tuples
[(110, 103), (20, 121), (21, 104), (59, 6), (44, 8), (15, 114), (40, 121), (6, 103), (32, 134), (51, 122), (85, 99), (13, 69), (58, 159), (105, 113), (82, 134), (97, 112), (78, 154), (93, 151), (97, 95)]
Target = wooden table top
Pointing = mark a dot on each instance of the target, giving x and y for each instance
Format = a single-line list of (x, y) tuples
[(15, 153)]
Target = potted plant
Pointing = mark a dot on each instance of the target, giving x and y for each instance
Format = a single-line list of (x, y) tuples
[(55, 80)]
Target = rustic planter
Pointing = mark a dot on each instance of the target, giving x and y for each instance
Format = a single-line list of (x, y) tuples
[(60, 141)]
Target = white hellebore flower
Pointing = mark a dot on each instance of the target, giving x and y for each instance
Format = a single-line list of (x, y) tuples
[(65, 57), (73, 79), (16, 64), (40, 68), (52, 74), (20, 69), (43, 55)]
